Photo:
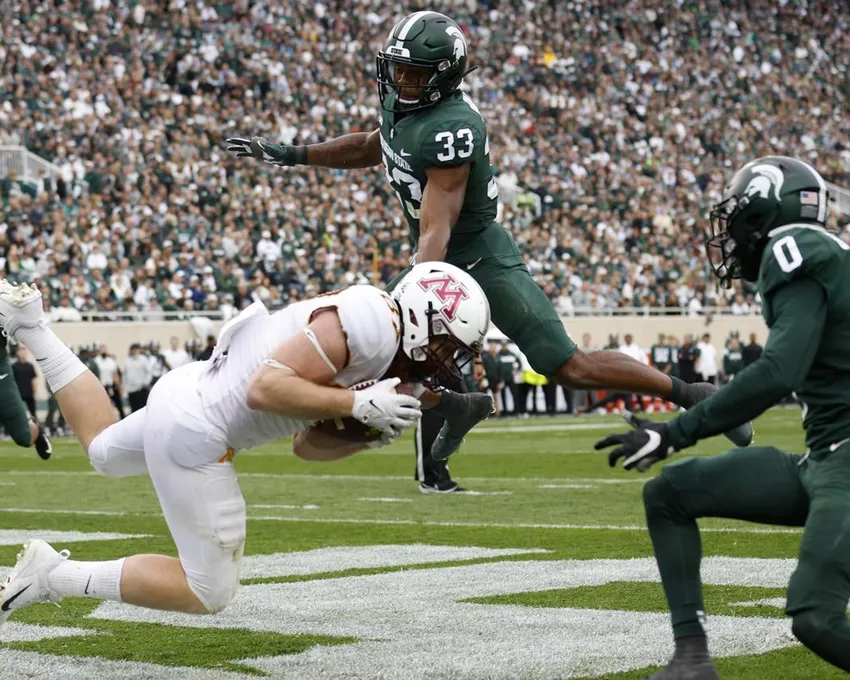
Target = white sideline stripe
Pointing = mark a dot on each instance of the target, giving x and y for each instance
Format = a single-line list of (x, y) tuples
[(568, 486), (385, 500), (368, 478), (287, 507), (104, 513), (483, 525), (520, 525), (547, 428), (19, 536)]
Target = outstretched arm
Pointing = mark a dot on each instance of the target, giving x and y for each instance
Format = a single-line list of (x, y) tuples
[(800, 309), (356, 150)]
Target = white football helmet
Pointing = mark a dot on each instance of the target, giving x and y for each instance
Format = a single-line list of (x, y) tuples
[(439, 300)]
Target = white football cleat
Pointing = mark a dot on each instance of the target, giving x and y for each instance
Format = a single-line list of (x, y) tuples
[(20, 306), (27, 584)]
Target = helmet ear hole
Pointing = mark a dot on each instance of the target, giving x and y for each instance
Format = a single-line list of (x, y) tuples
[(755, 221), (412, 317)]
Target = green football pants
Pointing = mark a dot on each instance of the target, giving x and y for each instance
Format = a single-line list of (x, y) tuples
[(764, 485), (13, 411)]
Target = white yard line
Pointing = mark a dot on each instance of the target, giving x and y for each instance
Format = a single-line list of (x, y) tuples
[(286, 507), (482, 525), (553, 427), (362, 478)]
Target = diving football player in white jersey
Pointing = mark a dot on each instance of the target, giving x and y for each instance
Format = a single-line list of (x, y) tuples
[(270, 376)]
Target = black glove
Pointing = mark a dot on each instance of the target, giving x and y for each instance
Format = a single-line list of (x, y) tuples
[(263, 150), (644, 446)]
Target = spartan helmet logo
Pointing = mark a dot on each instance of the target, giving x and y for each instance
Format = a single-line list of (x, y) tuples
[(460, 41), (766, 176)]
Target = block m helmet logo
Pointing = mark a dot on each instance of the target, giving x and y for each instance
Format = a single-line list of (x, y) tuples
[(449, 292)]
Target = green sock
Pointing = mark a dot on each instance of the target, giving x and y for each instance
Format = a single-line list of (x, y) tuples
[(678, 551)]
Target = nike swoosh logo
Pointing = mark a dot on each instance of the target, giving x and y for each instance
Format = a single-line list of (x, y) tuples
[(651, 445), (474, 264), (404, 154), (88, 583), (3, 376), (7, 605)]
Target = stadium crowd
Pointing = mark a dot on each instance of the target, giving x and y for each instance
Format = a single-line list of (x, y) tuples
[(612, 127)]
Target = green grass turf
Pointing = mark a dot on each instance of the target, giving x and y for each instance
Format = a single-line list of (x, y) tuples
[(542, 488)]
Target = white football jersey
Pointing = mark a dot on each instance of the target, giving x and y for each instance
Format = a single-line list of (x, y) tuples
[(370, 320)]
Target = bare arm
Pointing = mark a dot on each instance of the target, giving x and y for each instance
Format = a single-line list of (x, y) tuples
[(442, 201), (297, 387), (357, 150), (316, 445)]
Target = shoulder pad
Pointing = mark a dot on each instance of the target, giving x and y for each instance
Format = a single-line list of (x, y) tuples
[(795, 251)]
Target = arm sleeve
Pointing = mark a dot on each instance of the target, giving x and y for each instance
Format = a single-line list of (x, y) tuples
[(800, 313)]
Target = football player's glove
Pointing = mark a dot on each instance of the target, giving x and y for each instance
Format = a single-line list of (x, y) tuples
[(641, 448), (263, 150), (380, 407)]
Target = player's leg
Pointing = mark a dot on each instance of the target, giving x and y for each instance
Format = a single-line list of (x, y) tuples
[(461, 411), (202, 504), (523, 312), (13, 411), (432, 474), (24, 430), (42, 573), (759, 484), (205, 512), (820, 586), (80, 396)]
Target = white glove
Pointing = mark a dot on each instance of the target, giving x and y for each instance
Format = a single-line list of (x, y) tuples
[(386, 438), (380, 407)]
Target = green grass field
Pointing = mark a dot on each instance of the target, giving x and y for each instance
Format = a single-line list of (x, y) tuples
[(350, 572)]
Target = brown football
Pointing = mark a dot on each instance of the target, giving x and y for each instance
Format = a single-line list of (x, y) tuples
[(350, 429)]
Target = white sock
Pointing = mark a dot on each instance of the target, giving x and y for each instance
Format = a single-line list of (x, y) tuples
[(101, 580), (58, 363)]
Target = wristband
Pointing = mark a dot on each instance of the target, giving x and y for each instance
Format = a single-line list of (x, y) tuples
[(300, 155)]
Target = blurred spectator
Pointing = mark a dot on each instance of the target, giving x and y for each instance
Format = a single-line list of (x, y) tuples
[(688, 356), (110, 377), (752, 351), (65, 312), (630, 349), (661, 355), (733, 360), (176, 356), (137, 377), (706, 365), (510, 369), (208, 350), (158, 363)]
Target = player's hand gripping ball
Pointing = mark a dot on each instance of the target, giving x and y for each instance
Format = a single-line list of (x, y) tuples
[(352, 430)]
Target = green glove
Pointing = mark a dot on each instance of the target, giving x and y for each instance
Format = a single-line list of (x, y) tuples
[(263, 150)]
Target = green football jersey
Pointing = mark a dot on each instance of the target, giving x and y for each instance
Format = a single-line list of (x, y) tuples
[(661, 356), (448, 134), (796, 251)]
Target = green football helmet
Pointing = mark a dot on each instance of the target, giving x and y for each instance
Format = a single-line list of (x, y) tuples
[(424, 39), (766, 193)]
